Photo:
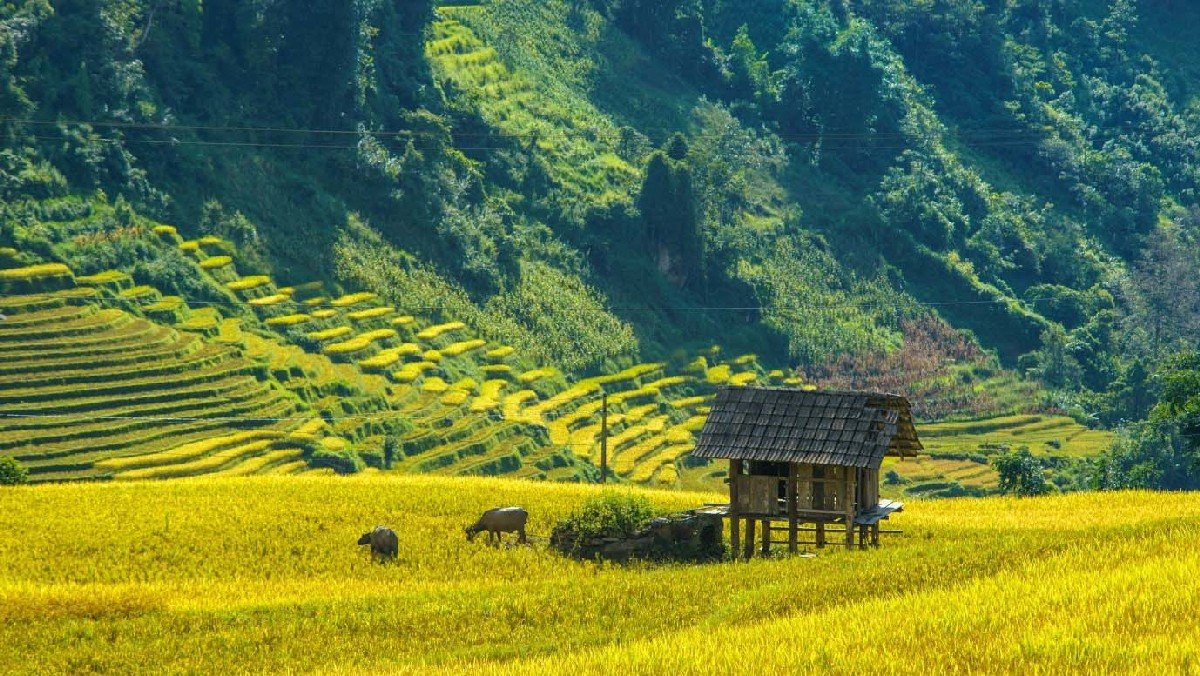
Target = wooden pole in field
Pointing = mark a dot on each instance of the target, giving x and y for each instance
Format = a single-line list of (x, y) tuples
[(848, 487), (750, 523), (792, 509), (603, 437), (735, 470)]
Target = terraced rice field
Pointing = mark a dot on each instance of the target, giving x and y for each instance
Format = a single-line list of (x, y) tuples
[(91, 392), (578, 140), (931, 476), (1047, 435), (453, 402), (471, 404), (106, 392)]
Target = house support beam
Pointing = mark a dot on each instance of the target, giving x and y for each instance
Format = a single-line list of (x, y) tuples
[(749, 549), (848, 502), (735, 471), (792, 510)]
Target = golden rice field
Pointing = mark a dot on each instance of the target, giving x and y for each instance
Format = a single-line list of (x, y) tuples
[(261, 574)]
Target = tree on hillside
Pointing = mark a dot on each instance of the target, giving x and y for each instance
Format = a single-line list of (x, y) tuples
[(1164, 292), (1054, 362), (669, 213), (1163, 451), (749, 71), (12, 472), (235, 227), (1179, 401), (1021, 473)]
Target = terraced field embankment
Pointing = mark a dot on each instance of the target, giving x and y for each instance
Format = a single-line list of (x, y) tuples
[(958, 455), (107, 378), (90, 393)]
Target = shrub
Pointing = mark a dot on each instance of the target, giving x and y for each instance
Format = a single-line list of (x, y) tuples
[(374, 459), (608, 515), (392, 451), (1021, 473), (342, 462), (12, 472)]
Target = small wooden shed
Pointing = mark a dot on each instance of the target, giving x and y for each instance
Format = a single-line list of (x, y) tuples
[(807, 458)]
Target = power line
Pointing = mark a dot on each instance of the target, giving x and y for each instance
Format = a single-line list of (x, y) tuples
[(379, 415), (614, 134), (476, 148), (639, 308)]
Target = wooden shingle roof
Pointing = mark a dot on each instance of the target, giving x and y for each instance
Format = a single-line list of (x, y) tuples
[(855, 429)]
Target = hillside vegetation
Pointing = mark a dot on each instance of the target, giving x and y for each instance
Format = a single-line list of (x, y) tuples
[(262, 574), (289, 379), (990, 207)]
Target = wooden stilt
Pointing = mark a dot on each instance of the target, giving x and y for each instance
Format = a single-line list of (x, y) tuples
[(792, 509), (735, 470), (766, 537), (820, 535), (875, 535), (734, 535), (848, 503), (749, 538)]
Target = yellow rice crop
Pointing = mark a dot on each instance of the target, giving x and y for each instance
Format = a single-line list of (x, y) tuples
[(718, 374), (455, 397), (462, 347), (500, 352), (184, 453), (385, 358), (411, 371), (434, 384), (273, 299), (331, 333), (262, 574), (215, 262), (353, 299), (250, 282), (38, 271), (537, 374), (743, 378), (289, 320), (370, 313), (359, 342), (439, 329)]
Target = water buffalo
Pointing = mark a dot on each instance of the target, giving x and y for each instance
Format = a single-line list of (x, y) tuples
[(384, 543), (500, 520)]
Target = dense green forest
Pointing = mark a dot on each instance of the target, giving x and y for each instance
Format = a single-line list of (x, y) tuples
[(820, 182)]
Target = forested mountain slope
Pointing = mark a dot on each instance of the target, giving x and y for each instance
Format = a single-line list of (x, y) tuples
[(838, 188)]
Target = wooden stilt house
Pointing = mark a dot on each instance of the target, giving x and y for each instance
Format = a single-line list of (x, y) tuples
[(809, 459)]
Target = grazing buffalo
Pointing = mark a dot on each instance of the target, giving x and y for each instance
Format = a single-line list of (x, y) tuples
[(500, 520), (384, 543)]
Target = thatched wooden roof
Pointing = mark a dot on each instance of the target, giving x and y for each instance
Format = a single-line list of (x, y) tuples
[(855, 429)]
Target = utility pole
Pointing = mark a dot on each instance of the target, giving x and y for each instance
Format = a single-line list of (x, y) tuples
[(603, 437)]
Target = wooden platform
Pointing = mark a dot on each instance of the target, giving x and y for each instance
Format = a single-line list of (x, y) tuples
[(883, 510), (865, 523)]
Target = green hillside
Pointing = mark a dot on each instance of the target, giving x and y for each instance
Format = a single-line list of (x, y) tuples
[(427, 237), (107, 380)]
